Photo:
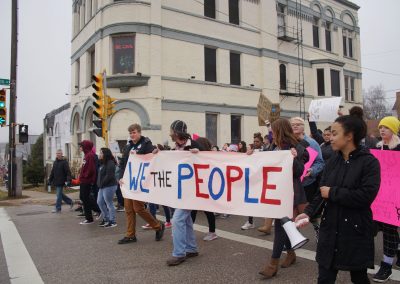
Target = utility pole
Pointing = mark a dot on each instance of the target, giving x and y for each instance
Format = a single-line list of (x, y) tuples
[(12, 168)]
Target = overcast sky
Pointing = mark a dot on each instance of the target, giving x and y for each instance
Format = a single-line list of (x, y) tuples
[(44, 53)]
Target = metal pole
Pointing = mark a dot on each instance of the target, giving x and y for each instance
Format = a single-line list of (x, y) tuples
[(13, 99)]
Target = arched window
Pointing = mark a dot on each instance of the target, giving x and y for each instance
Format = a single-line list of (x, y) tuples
[(282, 80)]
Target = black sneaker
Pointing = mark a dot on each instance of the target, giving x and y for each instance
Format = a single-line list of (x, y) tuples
[(160, 233), (110, 225), (81, 215), (384, 273), (120, 208), (103, 223), (127, 240)]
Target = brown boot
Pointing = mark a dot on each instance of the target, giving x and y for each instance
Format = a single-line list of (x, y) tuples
[(289, 260), (266, 229), (270, 269)]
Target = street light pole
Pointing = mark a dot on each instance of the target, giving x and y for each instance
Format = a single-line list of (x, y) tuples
[(12, 168)]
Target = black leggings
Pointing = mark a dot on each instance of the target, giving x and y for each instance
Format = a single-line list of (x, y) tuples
[(281, 240), (210, 219), (328, 276)]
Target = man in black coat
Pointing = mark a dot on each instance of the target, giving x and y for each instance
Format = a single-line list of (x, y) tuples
[(59, 177)]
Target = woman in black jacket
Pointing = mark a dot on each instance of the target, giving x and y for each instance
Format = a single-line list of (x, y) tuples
[(107, 184), (284, 139), (349, 185)]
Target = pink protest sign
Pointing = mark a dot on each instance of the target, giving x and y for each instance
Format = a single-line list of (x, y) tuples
[(313, 155), (386, 206)]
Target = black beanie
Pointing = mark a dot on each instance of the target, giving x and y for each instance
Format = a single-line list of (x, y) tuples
[(179, 126)]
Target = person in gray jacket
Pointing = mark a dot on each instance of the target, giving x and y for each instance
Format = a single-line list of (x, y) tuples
[(107, 184)]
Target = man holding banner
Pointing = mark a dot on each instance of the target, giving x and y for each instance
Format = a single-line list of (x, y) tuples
[(137, 145), (184, 239)]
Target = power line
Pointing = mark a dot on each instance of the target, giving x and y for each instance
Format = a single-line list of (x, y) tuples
[(310, 49)]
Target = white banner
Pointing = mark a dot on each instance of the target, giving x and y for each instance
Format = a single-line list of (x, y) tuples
[(259, 185), (324, 109)]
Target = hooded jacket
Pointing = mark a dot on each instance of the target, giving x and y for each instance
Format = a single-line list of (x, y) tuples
[(346, 235), (88, 170), (60, 173)]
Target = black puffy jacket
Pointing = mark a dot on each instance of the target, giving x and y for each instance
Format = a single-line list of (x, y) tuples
[(60, 173), (107, 175), (346, 236)]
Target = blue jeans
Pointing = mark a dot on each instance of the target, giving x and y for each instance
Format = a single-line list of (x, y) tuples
[(105, 202), (61, 197), (183, 236), (153, 211)]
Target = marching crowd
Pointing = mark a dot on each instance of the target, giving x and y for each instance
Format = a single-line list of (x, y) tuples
[(335, 196)]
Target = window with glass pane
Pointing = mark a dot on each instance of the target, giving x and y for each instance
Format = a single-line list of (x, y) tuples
[(328, 37), (210, 64), (346, 88), (316, 32), (321, 82), (352, 89), (235, 68), (351, 47), (282, 73), (212, 127), (209, 8), (344, 46), (335, 83), (123, 54), (234, 12), (236, 128)]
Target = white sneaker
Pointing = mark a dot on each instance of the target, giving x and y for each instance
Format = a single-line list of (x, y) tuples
[(86, 222), (210, 237), (247, 226)]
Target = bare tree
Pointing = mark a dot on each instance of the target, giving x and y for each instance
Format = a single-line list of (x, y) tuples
[(375, 103)]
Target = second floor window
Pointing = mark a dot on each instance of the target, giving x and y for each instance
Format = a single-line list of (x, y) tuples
[(316, 32), (335, 83), (209, 8), (235, 68), (320, 82), (347, 45), (282, 80), (328, 37), (210, 64), (349, 88), (123, 54), (234, 12)]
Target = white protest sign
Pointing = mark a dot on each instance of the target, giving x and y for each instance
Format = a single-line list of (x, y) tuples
[(114, 147), (324, 109), (259, 185)]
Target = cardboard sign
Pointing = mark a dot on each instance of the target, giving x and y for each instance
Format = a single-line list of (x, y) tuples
[(259, 185), (386, 206), (267, 110), (324, 109)]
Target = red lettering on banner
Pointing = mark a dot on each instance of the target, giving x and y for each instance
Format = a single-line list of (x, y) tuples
[(198, 180), (266, 186), (231, 179)]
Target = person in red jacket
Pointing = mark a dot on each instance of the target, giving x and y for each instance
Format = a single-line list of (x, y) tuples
[(87, 178)]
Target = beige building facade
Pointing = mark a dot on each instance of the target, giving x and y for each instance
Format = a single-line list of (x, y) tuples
[(206, 62)]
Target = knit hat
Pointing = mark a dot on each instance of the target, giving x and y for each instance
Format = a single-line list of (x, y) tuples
[(390, 122), (179, 126)]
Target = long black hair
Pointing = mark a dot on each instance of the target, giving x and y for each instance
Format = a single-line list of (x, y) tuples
[(355, 124), (107, 156)]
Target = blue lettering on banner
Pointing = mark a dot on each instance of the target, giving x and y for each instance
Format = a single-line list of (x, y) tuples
[(145, 165), (247, 199), (182, 177), (210, 182), (133, 182)]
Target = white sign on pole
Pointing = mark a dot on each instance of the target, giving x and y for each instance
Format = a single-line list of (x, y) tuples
[(114, 147), (324, 109)]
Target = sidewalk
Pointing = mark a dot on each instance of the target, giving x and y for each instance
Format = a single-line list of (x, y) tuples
[(36, 197)]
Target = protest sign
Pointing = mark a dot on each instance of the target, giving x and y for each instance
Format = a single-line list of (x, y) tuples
[(259, 185), (313, 155), (267, 110), (386, 206), (324, 109)]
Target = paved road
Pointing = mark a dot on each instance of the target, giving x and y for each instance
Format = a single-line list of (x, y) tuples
[(65, 252)]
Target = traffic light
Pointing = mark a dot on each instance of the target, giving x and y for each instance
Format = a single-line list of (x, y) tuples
[(100, 128), (109, 106), (98, 96), (3, 109), (23, 133)]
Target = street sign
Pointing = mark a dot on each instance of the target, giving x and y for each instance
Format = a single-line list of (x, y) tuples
[(5, 82)]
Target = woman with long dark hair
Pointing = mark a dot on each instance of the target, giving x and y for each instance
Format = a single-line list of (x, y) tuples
[(284, 139), (107, 184), (349, 185)]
